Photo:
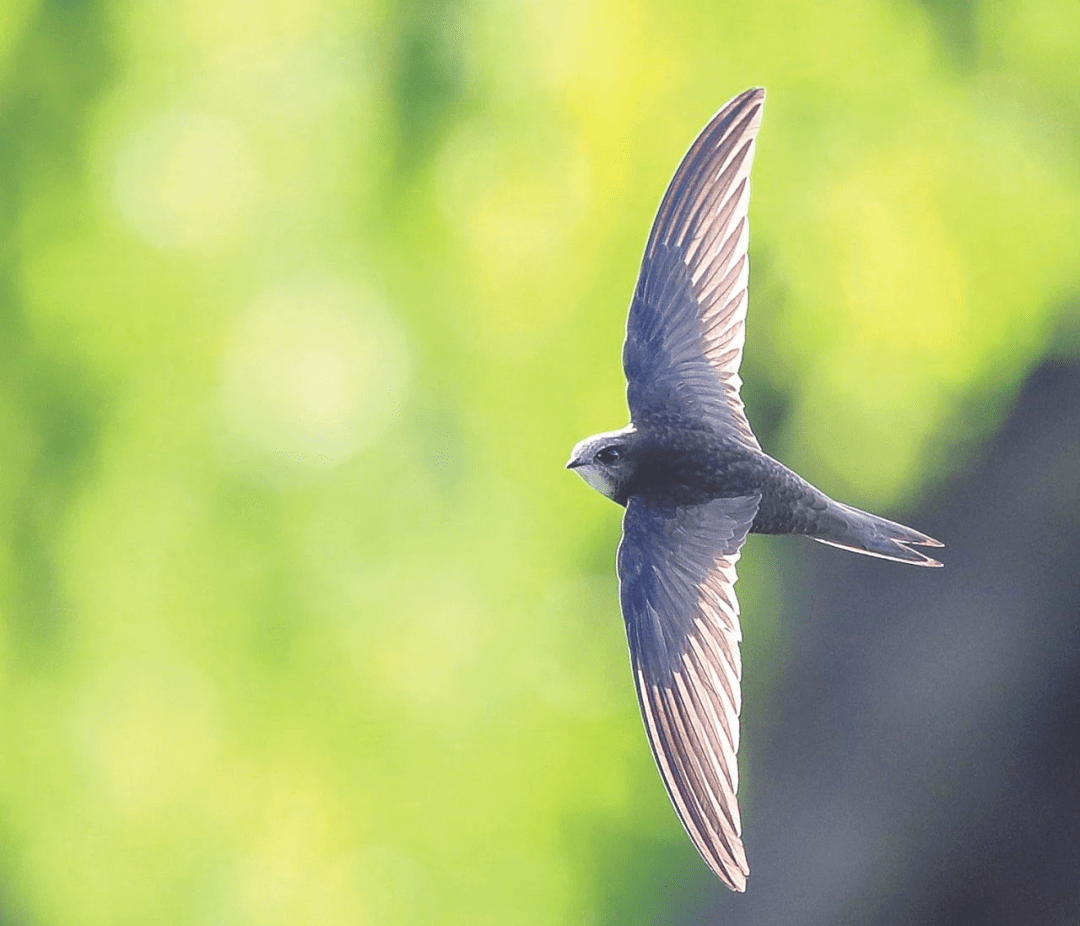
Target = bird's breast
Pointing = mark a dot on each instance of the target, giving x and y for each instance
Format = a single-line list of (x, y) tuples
[(688, 467)]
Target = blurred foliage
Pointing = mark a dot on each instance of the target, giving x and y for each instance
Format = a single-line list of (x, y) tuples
[(302, 306)]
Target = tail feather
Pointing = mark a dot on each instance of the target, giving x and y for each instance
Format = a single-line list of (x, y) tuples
[(862, 532)]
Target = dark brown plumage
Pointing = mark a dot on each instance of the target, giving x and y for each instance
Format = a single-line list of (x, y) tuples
[(695, 482)]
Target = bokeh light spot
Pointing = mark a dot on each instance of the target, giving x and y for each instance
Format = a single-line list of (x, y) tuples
[(313, 372), (186, 181)]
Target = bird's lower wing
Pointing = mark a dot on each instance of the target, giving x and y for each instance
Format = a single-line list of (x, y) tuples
[(676, 586)]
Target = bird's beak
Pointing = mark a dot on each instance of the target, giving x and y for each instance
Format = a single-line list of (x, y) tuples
[(574, 463)]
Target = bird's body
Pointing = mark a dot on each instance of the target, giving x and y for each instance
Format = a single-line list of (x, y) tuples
[(695, 482), (681, 462)]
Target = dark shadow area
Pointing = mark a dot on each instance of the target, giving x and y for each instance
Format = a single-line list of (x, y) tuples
[(918, 764), (427, 82), (50, 439), (957, 28)]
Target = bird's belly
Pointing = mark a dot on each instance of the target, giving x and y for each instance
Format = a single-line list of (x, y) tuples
[(683, 475), (789, 504)]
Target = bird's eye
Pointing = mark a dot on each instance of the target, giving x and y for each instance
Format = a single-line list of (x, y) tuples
[(608, 455)]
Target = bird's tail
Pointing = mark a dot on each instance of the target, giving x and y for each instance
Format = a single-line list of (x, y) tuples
[(861, 532)]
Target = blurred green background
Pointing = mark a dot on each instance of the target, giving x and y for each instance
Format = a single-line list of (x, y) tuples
[(302, 306)]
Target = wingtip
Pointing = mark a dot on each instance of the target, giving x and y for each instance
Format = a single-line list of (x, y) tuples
[(735, 878), (753, 103), (751, 97)]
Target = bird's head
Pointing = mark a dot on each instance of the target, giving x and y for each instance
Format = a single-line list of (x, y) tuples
[(605, 461)]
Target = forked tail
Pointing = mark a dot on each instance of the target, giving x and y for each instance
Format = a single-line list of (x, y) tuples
[(861, 532)]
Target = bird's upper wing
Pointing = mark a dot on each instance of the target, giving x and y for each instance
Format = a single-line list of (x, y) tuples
[(685, 334), (676, 585)]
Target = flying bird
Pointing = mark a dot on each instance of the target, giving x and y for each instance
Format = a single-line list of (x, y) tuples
[(695, 481)]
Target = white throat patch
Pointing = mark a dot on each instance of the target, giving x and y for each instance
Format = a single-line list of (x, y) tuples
[(599, 479)]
